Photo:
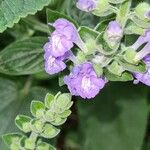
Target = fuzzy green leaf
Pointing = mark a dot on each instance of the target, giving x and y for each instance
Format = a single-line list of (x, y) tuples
[(23, 57), (37, 108), (49, 131), (12, 11), (23, 123), (48, 99)]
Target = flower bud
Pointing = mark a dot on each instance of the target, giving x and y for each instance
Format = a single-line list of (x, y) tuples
[(86, 5), (113, 33), (143, 11)]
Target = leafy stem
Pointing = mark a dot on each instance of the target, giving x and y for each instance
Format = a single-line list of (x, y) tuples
[(47, 116)]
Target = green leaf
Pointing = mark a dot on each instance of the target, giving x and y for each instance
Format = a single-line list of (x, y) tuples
[(37, 108), (23, 57), (89, 36), (16, 105), (62, 103), (140, 23), (12, 11), (12, 140), (112, 77), (115, 120), (37, 125), (23, 123), (132, 28), (44, 146), (124, 10), (52, 16), (50, 131), (141, 67), (48, 99)]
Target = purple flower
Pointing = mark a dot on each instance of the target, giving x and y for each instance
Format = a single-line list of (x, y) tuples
[(141, 40), (114, 31), (144, 78), (60, 44), (86, 5), (63, 38), (84, 82), (66, 28), (53, 65)]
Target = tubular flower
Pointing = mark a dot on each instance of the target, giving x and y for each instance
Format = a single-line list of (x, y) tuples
[(84, 82), (141, 40), (144, 78)]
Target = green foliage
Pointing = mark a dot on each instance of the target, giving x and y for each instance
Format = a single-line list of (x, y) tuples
[(23, 57), (53, 113), (119, 120), (12, 11), (114, 120)]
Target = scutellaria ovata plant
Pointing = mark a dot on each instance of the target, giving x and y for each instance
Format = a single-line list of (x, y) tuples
[(87, 59), (97, 56), (47, 117)]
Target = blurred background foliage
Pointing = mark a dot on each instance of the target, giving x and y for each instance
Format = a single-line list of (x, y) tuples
[(117, 119)]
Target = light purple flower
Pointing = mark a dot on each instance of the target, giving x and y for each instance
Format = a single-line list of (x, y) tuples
[(142, 40), (84, 82), (53, 65), (144, 78), (60, 44), (66, 28), (86, 5), (63, 38), (114, 31)]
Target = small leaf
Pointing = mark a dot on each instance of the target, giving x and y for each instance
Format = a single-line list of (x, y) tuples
[(44, 146), (37, 125), (132, 28), (115, 68), (48, 99), (58, 121), (141, 67), (29, 144), (62, 103), (37, 108), (65, 114), (103, 9), (124, 10), (23, 123), (11, 138), (87, 33), (140, 23), (124, 77), (49, 131)]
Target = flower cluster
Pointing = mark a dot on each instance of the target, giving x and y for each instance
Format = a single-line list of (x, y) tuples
[(97, 57)]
